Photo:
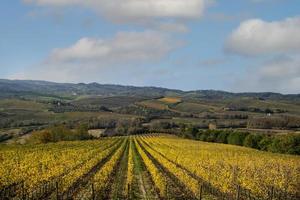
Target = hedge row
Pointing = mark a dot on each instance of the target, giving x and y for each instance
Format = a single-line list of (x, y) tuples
[(287, 143)]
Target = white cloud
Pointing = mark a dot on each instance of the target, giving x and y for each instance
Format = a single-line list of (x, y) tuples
[(281, 74), (123, 47), (135, 10), (90, 58), (256, 37)]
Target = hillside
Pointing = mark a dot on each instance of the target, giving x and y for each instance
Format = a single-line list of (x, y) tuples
[(26, 106), (10, 88)]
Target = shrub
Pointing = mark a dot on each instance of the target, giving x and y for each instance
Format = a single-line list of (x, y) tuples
[(253, 140), (81, 133), (212, 135), (237, 138), (285, 144), (191, 131), (60, 133), (292, 144), (289, 143), (203, 136), (222, 137), (265, 143)]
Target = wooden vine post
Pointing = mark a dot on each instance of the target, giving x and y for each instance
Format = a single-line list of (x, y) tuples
[(200, 190), (93, 192), (23, 191), (129, 192), (271, 193), (57, 190), (238, 192), (167, 189)]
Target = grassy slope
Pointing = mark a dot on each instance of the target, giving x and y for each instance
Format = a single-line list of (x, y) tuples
[(30, 110), (110, 102), (16, 104), (194, 107), (216, 106)]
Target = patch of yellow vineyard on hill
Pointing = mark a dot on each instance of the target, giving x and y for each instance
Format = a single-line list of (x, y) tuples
[(170, 100)]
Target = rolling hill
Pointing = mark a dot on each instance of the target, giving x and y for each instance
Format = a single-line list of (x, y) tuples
[(9, 88)]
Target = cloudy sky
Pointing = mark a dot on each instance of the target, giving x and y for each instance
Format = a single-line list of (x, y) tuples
[(233, 45)]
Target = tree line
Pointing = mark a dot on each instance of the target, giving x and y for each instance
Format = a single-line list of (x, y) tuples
[(60, 133), (286, 143)]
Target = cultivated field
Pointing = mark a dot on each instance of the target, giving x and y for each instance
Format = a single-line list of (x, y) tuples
[(155, 166)]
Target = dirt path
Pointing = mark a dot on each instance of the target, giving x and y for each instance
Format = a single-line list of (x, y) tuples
[(143, 188), (119, 180)]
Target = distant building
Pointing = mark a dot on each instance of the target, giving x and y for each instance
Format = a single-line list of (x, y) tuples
[(231, 108), (226, 109), (212, 126)]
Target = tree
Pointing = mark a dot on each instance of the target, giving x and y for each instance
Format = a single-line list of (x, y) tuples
[(81, 132), (191, 131), (237, 138), (285, 144), (222, 137), (253, 140), (265, 143)]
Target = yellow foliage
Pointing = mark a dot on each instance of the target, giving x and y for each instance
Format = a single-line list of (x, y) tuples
[(170, 100), (129, 167), (156, 175), (224, 166), (35, 164)]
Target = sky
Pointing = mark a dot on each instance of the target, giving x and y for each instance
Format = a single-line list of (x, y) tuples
[(232, 45)]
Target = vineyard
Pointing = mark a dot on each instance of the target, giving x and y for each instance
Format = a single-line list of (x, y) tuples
[(154, 166)]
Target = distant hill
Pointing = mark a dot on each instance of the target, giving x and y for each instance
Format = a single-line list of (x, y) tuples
[(27, 105), (19, 88), (28, 87)]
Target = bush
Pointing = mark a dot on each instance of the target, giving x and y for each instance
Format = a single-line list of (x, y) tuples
[(292, 144), (203, 136), (60, 133), (212, 135), (285, 144), (191, 131), (222, 137), (265, 143), (237, 138), (253, 140), (289, 143), (81, 133)]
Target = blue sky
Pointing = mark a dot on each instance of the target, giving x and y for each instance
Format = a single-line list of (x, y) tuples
[(249, 45)]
